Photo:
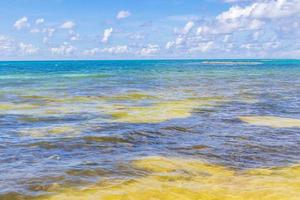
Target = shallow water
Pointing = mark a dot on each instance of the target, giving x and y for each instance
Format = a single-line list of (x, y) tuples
[(76, 128)]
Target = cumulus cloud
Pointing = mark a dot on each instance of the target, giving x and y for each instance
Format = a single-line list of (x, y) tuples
[(64, 49), (188, 27), (178, 43), (202, 30), (242, 27), (123, 14), (28, 49), (68, 25), (251, 17), (21, 23), (107, 34), (182, 37), (39, 21), (169, 45), (262, 10), (150, 49)]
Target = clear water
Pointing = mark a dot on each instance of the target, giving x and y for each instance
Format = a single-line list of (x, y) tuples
[(76, 123)]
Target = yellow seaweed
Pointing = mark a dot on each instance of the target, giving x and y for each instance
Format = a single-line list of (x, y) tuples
[(46, 131), (11, 107), (131, 97), (271, 121), (189, 179), (159, 112)]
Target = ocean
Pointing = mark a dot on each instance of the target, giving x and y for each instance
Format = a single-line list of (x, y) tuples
[(150, 129)]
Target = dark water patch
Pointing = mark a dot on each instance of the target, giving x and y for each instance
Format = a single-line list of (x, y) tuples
[(87, 172), (146, 133), (44, 188), (190, 149), (44, 145), (105, 139), (68, 145), (44, 183), (177, 128)]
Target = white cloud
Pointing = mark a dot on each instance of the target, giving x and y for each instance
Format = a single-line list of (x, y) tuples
[(226, 38), (68, 25), (21, 23), (28, 49), (49, 31), (39, 21), (35, 30), (75, 37), (179, 42), (202, 30), (123, 14), (203, 47), (170, 45), (64, 49), (6, 45), (182, 37), (188, 27), (107, 34), (149, 50), (264, 9), (252, 17), (116, 49)]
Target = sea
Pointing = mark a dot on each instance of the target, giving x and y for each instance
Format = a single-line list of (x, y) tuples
[(150, 130)]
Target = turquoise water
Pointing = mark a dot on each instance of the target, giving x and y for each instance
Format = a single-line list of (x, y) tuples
[(77, 122)]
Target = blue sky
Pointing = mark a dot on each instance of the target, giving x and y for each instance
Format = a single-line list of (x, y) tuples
[(154, 29)]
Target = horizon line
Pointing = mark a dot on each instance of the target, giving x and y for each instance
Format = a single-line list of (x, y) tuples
[(158, 59)]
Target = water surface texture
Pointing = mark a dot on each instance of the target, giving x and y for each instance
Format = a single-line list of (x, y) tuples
[(188, 129)]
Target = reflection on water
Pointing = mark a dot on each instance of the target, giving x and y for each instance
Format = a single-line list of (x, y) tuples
[(150, 130)]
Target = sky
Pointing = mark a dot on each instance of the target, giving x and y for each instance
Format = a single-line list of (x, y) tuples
[(148, 29)]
